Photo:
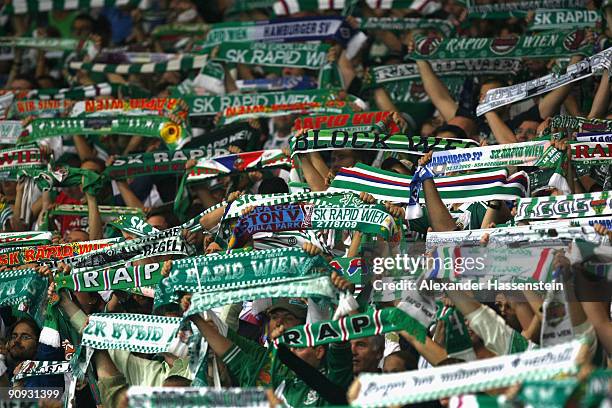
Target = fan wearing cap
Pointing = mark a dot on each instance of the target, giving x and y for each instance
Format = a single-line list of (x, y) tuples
[(251, 364)]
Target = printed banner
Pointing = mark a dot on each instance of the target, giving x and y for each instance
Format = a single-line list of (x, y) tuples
[(318, 140), (298, 55), (546, 45), (395, 187), (132, 332), (567, 206), (533, 154), (480, 375)]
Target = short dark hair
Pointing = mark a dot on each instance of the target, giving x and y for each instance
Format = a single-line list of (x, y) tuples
[(456, 130), (177, 381), (273, 185)]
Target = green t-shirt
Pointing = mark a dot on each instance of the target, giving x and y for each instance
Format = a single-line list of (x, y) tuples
[(64, 25)]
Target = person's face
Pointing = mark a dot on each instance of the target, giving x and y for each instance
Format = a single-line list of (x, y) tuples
[(282, 317), (527, 131), (342, 158), (81, 28), (20, 84), (311, 355), (22, 344), (157, 221), (365, 357), (393, 364), (504, 306), (77, 236)]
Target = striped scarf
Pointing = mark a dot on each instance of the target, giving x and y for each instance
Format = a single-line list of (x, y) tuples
[(319, 140), (121, 278), (39, 6), (181, 62), (394, 187)]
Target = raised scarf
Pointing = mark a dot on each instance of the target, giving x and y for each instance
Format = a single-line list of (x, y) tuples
[(133, 224), (355, 122), (26, 238), (132, 332), (591, 153), (140, 106), (567, 206), (62, 44), (36, 6), (166, 242), (90, 181), (545, 45), (207, 168), (319, 140), (86, 91), (508, 9), (564, 19), (480, 375), (39, 108), (121, 278), (390, 186), (155, 163), (556, 323), (106, 211), (510, 94), (145, 397), (276, 84), (207, 105), (405, 24), (536, 153), (329, 213), (18, 158), (181, 62), (180, 29), (25, 289), (41, 253), (32, 368), (371, 323), (282, 7), (444, 68), (10, 131), (298, 55), (148, 126), (581, 124)]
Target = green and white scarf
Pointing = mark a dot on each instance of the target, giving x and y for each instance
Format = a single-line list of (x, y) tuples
[(371, 323), (39, 108), (106, 211), (384, 185), (26, 238), (181, 29), (536, 153), (508, 9), (480, 375), (299, 55), (182, 62), (315, 286), (148, 126), (10, 131), (166, 242), (132, 332), (564, 19), (133, 224), (88, 91), (208, 105), (61, 44), (155, 163), (444, 68), (90, 181), (31, 368), (591, 153), (319, 140), (547, 393), (405, 24), (567, 206), (545, 45), (581, 124), (356, 122), (32, 7), (510, 94), (17, 158), (131, 106), (167, 397), (26, 289), (121, 278)]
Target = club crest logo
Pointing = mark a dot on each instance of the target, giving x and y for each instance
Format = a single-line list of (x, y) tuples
[(504, 45), (598, 206), (575, 40), (417, 91), (427, 45)]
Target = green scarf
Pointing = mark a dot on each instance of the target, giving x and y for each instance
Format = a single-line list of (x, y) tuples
[(24, 289), (567, 206), (88, 91), (356, 122), (39, 253), (155, 163), (516, 9), (133, 224), (546, 45), (121, 278), (34, 6), (147, 126), (17, 239), (61, 44), (404, 24), (181, 29), (564, 19), (299, 55), (371, 323), (547, 393), (318, 140), (182, 62), (132, 332), (91, 182)]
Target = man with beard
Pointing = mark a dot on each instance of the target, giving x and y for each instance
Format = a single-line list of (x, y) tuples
[(22, 344)]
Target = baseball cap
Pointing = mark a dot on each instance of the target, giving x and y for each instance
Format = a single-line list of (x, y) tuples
[(292, 305)]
